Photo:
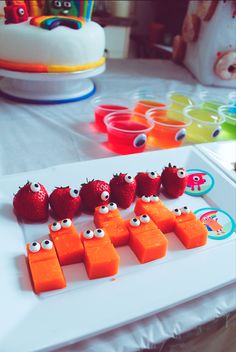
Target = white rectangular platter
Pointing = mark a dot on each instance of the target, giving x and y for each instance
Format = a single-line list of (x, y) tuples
[(30, 322)]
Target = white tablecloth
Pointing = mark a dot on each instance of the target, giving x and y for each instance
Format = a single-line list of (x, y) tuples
[(39, 136)]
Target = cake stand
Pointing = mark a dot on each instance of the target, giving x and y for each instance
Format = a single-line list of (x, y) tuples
[(48, 88)]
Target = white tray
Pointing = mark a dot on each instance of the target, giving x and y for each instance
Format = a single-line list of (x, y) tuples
[(29, 322)]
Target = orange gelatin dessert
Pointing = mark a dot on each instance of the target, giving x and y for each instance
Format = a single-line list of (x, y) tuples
[(146, 240), (45, 269), (67, 242), (190, 230), (100, 256), (158, 212), (109, 218)]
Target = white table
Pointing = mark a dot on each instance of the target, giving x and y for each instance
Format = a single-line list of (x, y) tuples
[(37, 136)]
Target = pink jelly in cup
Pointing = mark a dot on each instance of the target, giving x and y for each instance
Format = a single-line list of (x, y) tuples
[(105, 105), (127, 131)]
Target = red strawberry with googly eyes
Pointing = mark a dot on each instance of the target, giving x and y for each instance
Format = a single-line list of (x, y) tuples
[(31, 203), (123, 190), (148, 183), (174, 181), (94, 193), (65, 202)]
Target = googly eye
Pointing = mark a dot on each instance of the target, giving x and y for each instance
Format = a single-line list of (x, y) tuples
[(144, 218), (185, 210), (216, 132), (34, 247), (74, 193), (88, 234), (152, 175), (146, 199), (112, 206), (129, 179), (103, 210), (181, 173), (181, 134), (67, 4), (105, 195), (57, 4), (47, 244), (177, 212), (56, 226), (21, 11), (140, 140), (66, 223), (134, 222), (99, 233), (35, 187), (196, 178), (154, 198)]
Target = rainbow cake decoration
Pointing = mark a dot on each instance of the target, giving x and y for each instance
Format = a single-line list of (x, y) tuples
[(67, 39)]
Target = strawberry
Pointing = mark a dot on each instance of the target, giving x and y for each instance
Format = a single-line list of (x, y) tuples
[(123, 190), (174, 180), (65, 202), (148, 183), (30, 203), (94, 193)]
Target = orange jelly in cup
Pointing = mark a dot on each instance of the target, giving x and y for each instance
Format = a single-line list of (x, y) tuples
[(146, 101), (169, 127), (127, 132)]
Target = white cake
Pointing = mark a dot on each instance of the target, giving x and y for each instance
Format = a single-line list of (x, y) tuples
[(61, 50)]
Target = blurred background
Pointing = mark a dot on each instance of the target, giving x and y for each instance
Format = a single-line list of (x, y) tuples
[(141, 28)]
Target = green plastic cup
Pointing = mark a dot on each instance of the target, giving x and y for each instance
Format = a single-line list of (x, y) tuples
[(206, 124)]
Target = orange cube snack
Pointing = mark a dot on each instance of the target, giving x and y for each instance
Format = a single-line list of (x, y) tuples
[(147, 205), (106, 213), (183, 214), (45, 269), (67, 242), (146, 240), (158, 212), (101, 258), (191, 232), (117, 231)]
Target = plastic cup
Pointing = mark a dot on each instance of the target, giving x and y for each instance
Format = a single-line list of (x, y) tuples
[(210, 100), (125, 134), (144, 100), (103, 106), (179, 100), (206, 124), (229, 127), (169, 127)]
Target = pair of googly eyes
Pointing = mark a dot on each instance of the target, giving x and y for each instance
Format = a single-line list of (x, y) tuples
[(147, 199), (56, 226), (89, 234), (110, 207), (34, 247), (58, 4), (184, 210), (135, 222), (181, 173)]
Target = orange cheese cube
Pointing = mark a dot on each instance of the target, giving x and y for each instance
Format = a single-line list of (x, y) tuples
[(45, 269), (117, 231), (106, 213), (164, 219), (148, 246), (101, 258), (149, 206), (142, 227), (191, 233), (184, 217), (67, 242)]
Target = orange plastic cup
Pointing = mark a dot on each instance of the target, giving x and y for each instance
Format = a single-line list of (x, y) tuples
[(144, 101), (169, 127)]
